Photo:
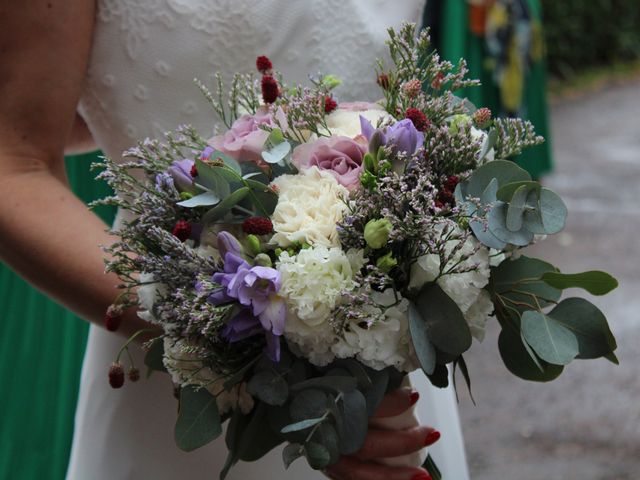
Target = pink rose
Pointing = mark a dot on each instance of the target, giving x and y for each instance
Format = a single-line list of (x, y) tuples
[(245, 140), (340, 156)]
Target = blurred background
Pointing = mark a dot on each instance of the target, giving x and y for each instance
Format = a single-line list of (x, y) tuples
[(573, 68)]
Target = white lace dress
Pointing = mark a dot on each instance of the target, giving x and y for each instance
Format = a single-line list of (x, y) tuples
[(145, 56)]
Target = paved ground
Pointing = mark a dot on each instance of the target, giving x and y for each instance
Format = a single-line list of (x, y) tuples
[(586, 424)]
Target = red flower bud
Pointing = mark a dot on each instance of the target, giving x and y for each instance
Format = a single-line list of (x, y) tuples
[(182, 230), (257, 226), (116, 375), (329, 104), (112, 319), (418, 118), (194, 171), (383, 81), (482, 117), (133, 374), (437, 82), (263, 64), (270, 90)]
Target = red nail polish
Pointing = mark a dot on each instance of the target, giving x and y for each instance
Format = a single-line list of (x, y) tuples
[(421, 476), (432, 437), (413, 398)]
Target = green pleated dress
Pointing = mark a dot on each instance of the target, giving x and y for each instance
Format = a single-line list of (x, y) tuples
[(41, 350), (455, 40)]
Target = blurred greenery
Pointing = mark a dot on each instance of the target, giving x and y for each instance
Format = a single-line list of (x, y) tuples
[(583, 34)]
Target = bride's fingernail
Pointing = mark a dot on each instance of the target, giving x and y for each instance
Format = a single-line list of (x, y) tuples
[(413, 398), (431, 438), (421, 476)]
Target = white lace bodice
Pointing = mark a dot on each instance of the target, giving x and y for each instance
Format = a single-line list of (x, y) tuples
[(146, 54)]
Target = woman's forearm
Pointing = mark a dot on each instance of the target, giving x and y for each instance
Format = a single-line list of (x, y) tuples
[(53, 240)]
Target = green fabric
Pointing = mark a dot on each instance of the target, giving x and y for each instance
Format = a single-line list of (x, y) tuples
[(457, 41), (41, 350)]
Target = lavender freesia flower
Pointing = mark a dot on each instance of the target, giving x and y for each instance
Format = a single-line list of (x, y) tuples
[(256, 288), (180, 170), (402, 136), (227, 243)]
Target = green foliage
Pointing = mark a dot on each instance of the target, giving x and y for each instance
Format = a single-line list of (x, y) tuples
[(580, 34), (269, 386), (153, 357), (594, 282), (198, 419)]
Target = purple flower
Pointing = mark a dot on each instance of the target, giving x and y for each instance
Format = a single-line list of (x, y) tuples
[(340, 156), (402, 136), (227, 243), (180, 170), (256, 288)]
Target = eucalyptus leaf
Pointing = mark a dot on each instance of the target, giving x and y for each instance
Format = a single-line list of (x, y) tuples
[(446, 326), (302, 425), (517, 359), (317, 455), (308, 404), (440, 376), (460, 363), (332, 383), (553, 211), (257, 438), (205, 199), (222, 208), (519, 281), (505, 193), (551, 341), (269, 387), (504, 171), (277, 154), (210, 179), (594, 282), (356, 421), (198, 419), (515, 210), (291, 452), (489, 194), (375, 393), (327, 436), (485, 236), (425, 351), (497, 219), (588, 324), (357, 370)]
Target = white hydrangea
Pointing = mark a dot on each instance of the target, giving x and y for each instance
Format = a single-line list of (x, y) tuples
[(312, 285), (386, 342), (186, 369), (309, 207), (466, 289), (345, 120)]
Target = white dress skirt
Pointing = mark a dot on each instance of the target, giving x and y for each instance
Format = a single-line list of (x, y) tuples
[(146, 54)]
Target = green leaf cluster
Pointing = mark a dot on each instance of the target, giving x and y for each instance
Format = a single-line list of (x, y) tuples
[(515, 207), (322, 413), (225, 187), (541, 334), (439, 333)]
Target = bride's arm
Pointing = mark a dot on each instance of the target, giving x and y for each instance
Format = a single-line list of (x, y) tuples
[(46, 234)]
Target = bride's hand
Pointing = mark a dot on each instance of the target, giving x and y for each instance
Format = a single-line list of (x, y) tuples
[(385, 443)]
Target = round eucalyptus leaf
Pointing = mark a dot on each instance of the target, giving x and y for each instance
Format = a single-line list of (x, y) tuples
[(198, 419), (356, 422), (553, 211), (515, 211), (425, 351), (504, 171), (327, 436), (317, 455), (292, 452), (485, 237), (269, 386), (498, 227), (505, 192), (588, 324), (519, 362), (551, 341), (310, 403)]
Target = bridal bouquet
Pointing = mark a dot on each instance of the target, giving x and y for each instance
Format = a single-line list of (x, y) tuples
[(303, 260)]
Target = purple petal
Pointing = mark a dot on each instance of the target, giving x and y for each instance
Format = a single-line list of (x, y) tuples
[(273, 347), (366, 128), (273, 318), (227, 243)]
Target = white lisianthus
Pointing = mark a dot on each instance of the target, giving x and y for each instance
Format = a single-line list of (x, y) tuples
[(386, 342), (313, 282), (309, 207), (345, 120), (186, 369), (464, 288), (148, 295)]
